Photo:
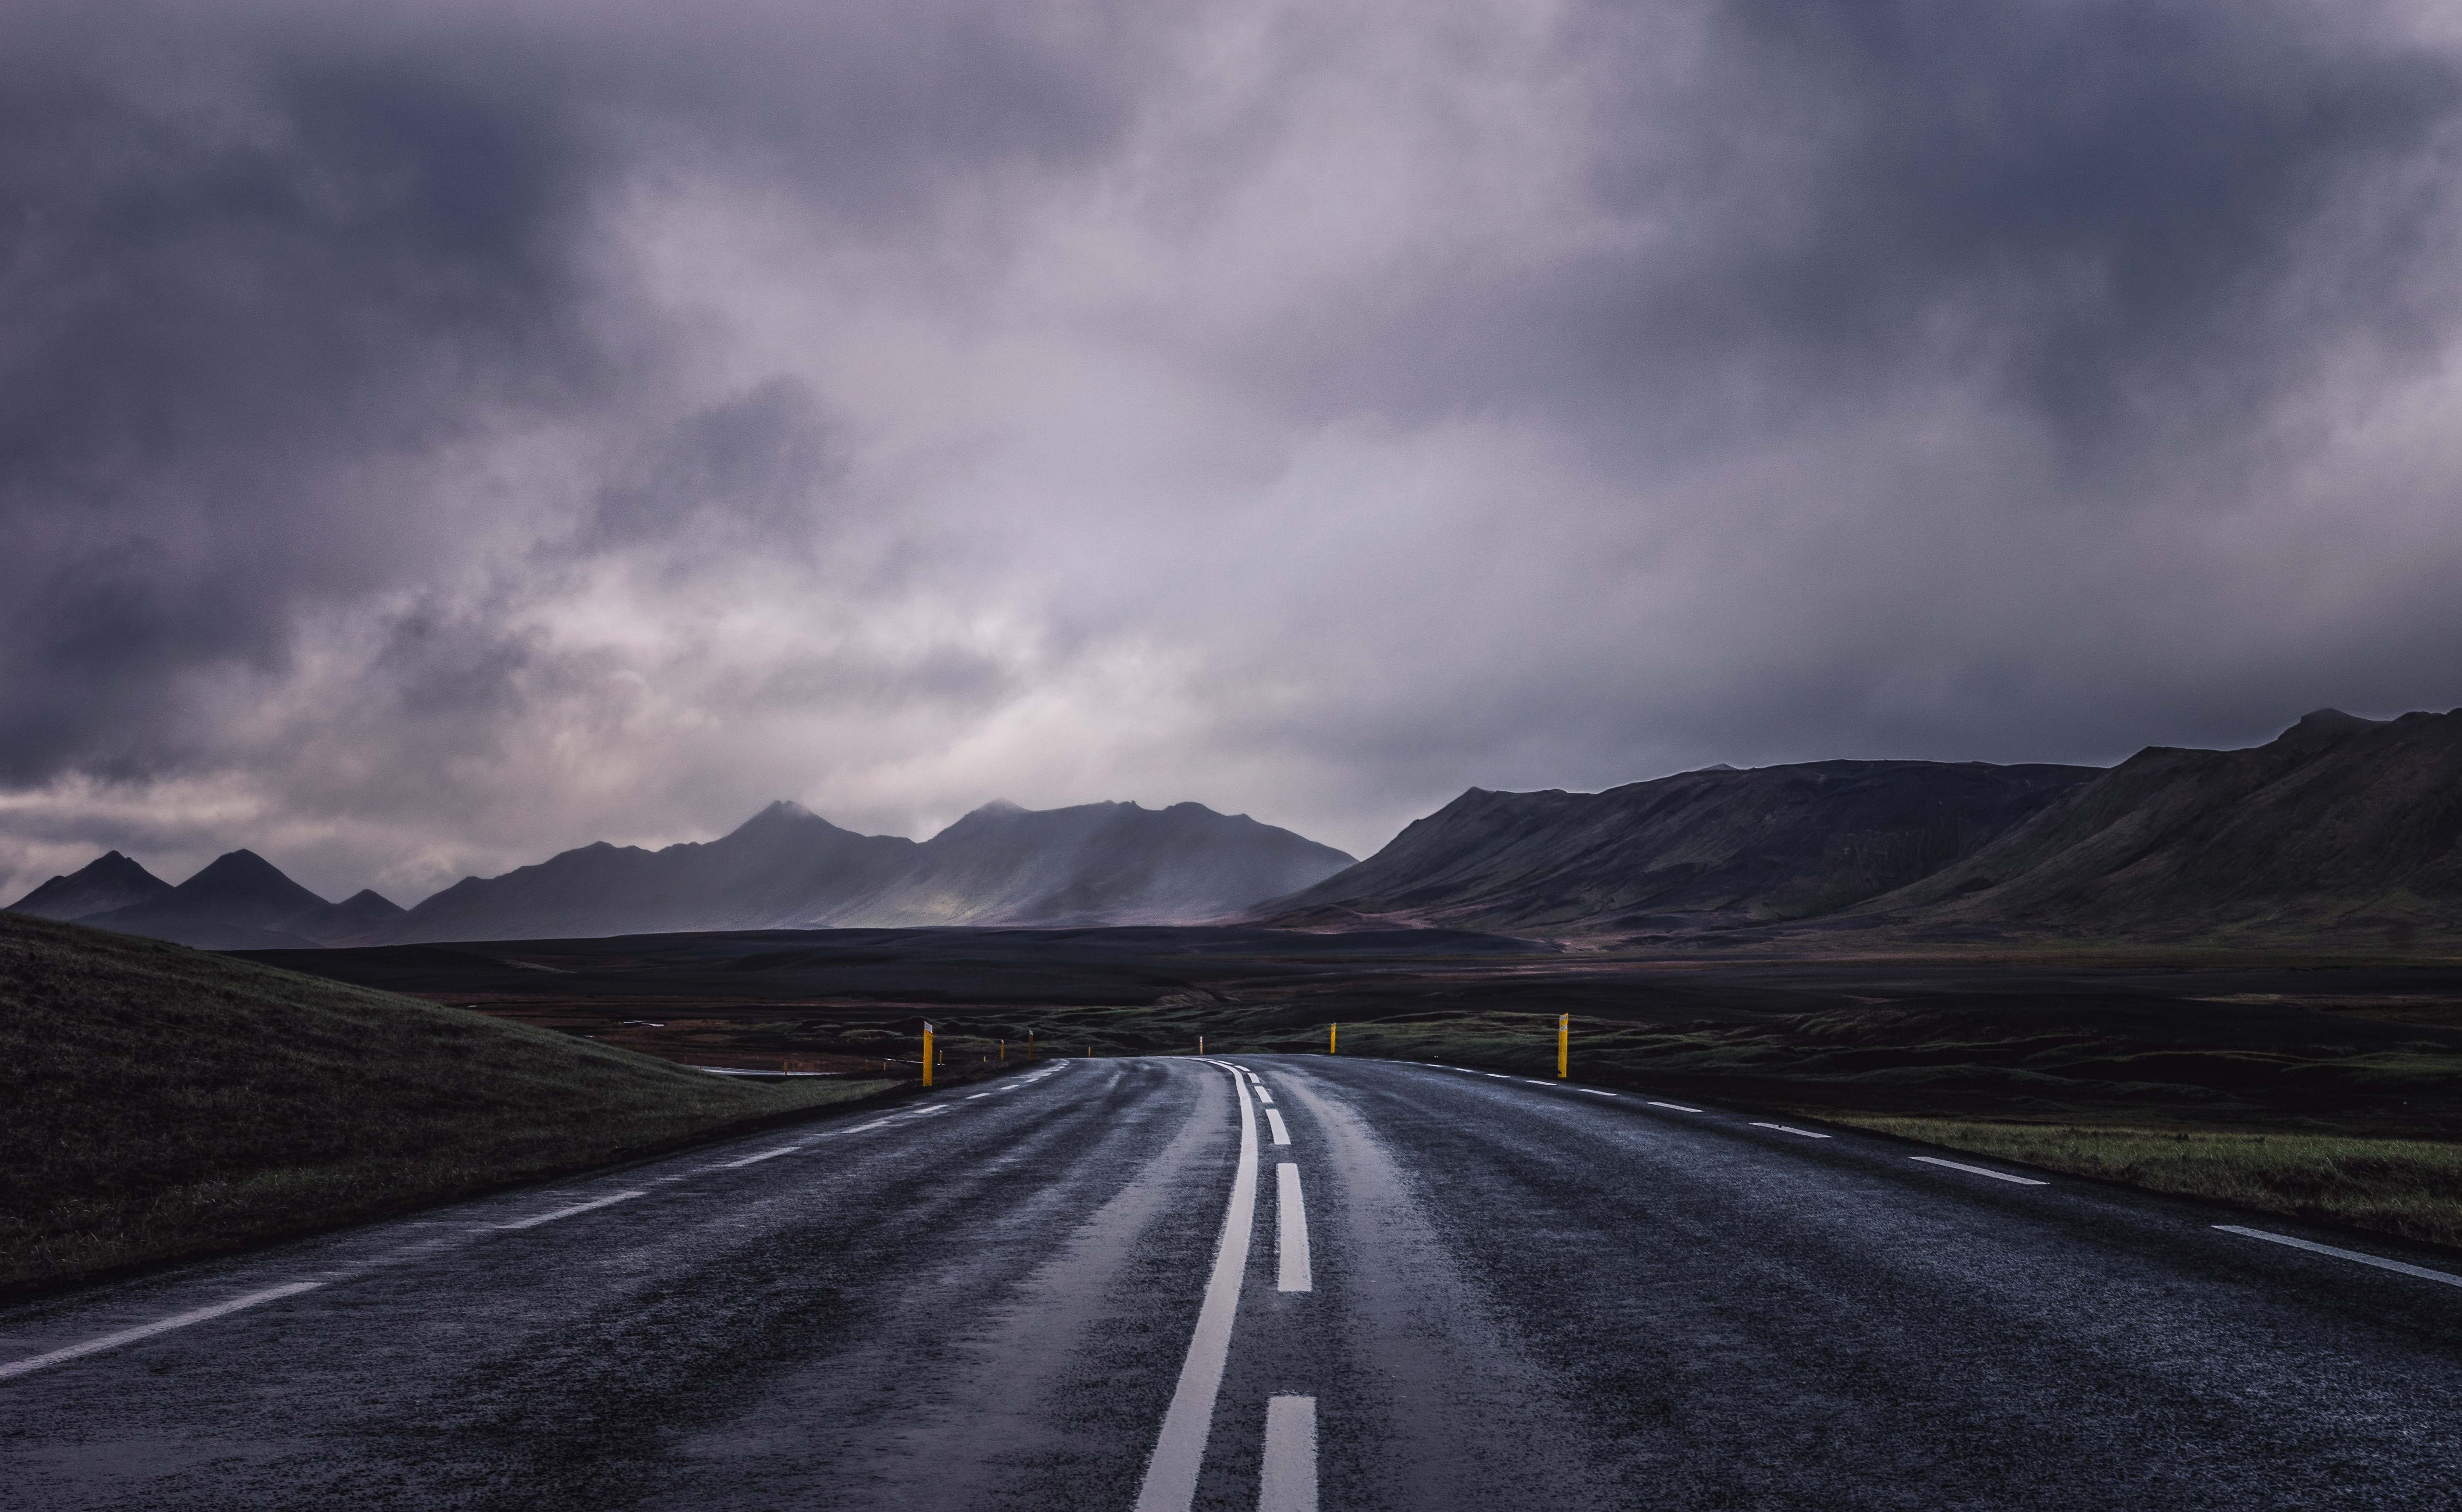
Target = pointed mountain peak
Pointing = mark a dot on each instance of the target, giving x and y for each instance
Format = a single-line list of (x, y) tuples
[(369, 904), (782, 820), (782, 814), (243, 876), (998, 808), (109, 881), (232, 866)]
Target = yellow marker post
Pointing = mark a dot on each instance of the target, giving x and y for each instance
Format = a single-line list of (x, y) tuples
[(1563, 1044), (1003, 1052), (927, 1052), (1333, 1039)]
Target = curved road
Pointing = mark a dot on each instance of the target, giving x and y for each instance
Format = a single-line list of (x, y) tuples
[(1112, 1284)]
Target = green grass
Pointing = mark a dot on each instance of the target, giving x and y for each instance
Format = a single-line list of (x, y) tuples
[(160, 1102), (2409, 1187)]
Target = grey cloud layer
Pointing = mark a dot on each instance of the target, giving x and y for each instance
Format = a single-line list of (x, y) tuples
[(431, 435)]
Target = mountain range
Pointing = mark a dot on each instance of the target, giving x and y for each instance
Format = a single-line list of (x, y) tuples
[(786, 867), (1701, 850), (2340, 828)]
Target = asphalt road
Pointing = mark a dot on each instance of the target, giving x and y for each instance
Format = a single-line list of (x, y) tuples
[(1110, 1286)]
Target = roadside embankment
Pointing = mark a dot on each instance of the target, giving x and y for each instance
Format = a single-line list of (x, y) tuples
[(163, 1102), (2409, 1188)]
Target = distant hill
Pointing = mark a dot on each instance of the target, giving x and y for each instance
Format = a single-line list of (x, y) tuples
[(787, 867), (109, 881), (1112, 863), (2341, 826), (1702, 850), (776, 868), (240, 902), (363, 918)]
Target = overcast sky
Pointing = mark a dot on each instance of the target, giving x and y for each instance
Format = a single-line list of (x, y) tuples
[(435, 434)]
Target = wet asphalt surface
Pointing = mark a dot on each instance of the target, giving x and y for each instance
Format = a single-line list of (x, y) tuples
[(1524, 1296)]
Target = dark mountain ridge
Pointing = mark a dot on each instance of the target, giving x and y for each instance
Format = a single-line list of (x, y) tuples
[(2339, 826), (109, 881), (786, 867), (1712, 849), (776, 867), (240, 902)]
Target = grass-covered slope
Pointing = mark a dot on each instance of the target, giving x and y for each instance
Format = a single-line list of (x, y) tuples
[(2341, 829), (157, 1101), (1712, 849)]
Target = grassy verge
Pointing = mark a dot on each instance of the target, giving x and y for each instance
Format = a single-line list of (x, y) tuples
[(162, 1102), (2409, 1187)]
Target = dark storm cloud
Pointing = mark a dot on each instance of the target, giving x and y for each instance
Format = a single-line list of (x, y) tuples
[(264, 266), (239, 296), (2133, 224), (453, 431)]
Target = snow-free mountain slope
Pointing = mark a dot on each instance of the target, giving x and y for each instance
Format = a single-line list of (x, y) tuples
[(1096, 864), (1710, 849), (784, 867), (109, 881), (2341, 824), (240, 902), (788, 868)]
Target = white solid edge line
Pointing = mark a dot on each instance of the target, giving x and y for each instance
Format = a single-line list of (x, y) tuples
[(1677, 1106), (1287, 1477), (578, 1207), (1783, 1128), (1960, 1165), (1292, 1271), (145, 1330), (1179, 1448), (2381, 1263), (1274, 1121), (766, 1155)]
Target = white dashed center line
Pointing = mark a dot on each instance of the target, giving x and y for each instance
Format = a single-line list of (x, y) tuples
[(2381, 1263), (1274, 1121), (1291, 1233), (578, 1207), (755, 1160), (1997, 1176), (1677, 1106), (1286, 1481), (147, 1330), (1594, 1091), (1785, 1128)]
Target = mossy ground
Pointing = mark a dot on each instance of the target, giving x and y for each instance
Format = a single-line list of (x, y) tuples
[(2407, 1187), (160, 1101)]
